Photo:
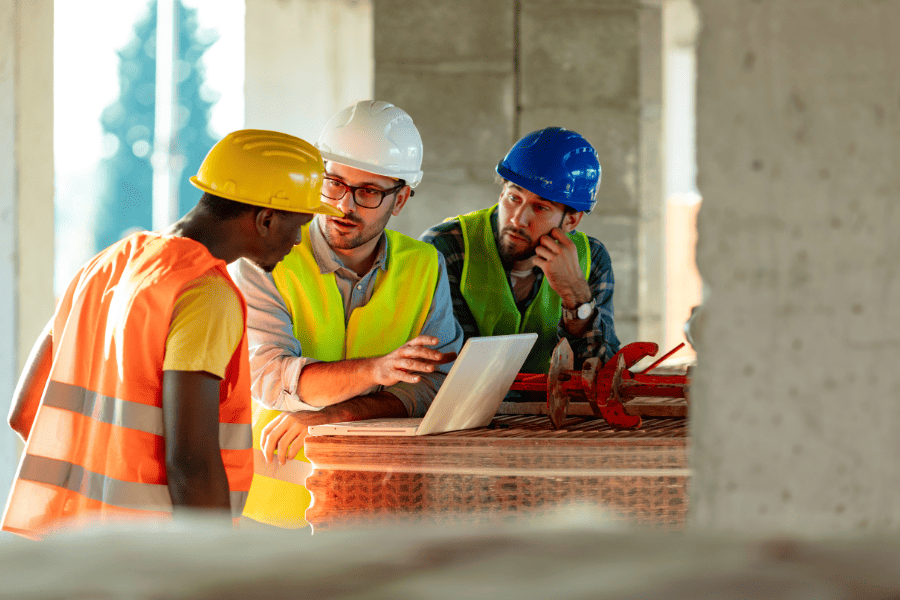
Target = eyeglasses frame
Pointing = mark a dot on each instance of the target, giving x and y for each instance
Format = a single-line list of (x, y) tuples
[(352, 189)]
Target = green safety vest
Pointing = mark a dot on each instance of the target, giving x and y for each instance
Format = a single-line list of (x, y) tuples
[(487, 292), (394, 315)]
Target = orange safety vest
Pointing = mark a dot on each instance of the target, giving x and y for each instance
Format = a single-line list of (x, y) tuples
[(97, 447)]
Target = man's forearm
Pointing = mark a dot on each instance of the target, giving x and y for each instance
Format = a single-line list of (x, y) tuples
[(27, 395), (370, 406), (195, 472), (578, 327), (198, 482), (329, 383)]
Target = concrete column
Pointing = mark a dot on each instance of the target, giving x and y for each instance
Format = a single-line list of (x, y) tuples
[(795, 404), (305, 61), (651, 276), (596, 67), (476, 76), (26, 196), (451, 65)]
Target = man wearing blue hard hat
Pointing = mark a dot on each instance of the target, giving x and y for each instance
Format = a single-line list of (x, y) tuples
[(520, 265)]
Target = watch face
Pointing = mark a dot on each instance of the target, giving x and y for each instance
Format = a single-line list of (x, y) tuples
[(585, 310)]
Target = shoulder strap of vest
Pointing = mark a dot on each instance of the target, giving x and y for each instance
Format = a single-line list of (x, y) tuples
[(402, 299), (313, 302)]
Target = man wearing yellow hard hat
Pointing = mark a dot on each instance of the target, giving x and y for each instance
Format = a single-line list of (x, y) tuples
[(135, 401), (357, 321)]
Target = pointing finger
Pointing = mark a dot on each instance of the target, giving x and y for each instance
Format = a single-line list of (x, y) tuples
[(405, 376), (423, 340), (421, 353)]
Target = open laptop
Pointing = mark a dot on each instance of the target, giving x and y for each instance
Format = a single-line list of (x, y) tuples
[(469, 397)]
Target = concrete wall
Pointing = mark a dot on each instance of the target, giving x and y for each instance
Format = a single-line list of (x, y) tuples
[(476, 76), (26, 195), (305, 61), (797, 398)]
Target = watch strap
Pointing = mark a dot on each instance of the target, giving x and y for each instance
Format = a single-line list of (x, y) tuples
[(572, 315)]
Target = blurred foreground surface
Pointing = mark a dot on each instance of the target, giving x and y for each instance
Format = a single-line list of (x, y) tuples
[(574, 554)]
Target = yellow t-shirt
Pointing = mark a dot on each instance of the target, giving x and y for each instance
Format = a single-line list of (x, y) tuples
[(206, 327)]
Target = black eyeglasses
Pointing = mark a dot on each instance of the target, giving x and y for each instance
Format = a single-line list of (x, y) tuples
[(367, 197)]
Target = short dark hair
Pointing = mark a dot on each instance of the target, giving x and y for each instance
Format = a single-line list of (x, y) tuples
[(225, 209)]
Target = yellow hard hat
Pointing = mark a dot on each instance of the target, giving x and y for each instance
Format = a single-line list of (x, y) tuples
[(265, 168)]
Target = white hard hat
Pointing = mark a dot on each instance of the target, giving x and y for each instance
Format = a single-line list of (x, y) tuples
[(377, 137)]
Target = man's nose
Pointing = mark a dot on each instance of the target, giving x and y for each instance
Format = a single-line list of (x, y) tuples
[(520, 217), (346, 203)]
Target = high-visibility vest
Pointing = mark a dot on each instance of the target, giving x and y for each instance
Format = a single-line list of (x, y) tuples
[(97, 447), (395, 314), (487, 292)]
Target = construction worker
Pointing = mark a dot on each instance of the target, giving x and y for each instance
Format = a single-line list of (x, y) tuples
[(520, 265), (135, 402), (357, 321)]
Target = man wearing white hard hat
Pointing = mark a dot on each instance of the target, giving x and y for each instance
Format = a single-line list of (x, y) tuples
[(357, 321)]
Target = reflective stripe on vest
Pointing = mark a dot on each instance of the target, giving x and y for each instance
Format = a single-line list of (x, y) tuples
[(128, 495), (113, 411), (395, 313), (97, 447), (487, 292)]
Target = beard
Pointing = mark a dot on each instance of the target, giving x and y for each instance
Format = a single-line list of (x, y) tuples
[(344, 241), (509, 251), (358, 237)]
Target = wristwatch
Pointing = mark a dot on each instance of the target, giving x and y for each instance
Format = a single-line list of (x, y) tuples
[(581, 312)]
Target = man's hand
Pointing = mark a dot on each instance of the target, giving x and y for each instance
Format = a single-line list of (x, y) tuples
[(286, 433), (557, 257), (330, 383), (412, 357)]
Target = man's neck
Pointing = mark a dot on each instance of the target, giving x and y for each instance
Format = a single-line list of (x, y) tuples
[(523, 265), (218, 236), (359, 259)]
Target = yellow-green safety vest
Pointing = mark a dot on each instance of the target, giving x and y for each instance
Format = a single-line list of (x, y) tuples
[(395, 314), (487, 292)]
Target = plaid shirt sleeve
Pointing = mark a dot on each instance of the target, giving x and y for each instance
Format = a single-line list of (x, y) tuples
[(447, 238), (600, 339)]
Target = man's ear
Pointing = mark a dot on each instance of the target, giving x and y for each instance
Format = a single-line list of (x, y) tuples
[(264, 221), (402, 197), (571, 220)]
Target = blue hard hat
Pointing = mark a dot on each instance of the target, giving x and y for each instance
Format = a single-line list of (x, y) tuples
[(556, 164)]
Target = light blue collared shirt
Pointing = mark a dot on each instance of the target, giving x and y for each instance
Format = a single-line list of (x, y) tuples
[(276, 358)]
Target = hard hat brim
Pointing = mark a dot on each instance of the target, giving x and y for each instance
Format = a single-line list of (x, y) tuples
[(274, 203), (411, 179)]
